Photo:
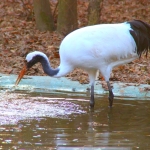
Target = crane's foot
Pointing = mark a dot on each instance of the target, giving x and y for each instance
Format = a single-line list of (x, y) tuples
[(92, 103), (111, 98)]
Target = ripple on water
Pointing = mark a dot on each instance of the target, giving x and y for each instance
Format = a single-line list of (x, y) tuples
[(15, 107)]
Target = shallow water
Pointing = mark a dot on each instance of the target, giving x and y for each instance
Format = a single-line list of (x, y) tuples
[(52, 122)]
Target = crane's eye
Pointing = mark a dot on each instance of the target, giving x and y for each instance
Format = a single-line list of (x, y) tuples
[(25, 62)]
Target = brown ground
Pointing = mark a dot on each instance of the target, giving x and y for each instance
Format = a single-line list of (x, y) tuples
[(18, 36)]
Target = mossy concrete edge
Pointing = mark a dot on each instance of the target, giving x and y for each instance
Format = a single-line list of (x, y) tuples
[(48, 84)]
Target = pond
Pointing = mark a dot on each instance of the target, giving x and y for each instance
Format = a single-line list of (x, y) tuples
[(47, 122)]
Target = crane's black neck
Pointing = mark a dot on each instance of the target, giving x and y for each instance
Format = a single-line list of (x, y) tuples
[(45, 64), (48, 69)]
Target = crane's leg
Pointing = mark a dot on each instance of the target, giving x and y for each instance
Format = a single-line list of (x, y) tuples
[(92, 101), (93, 73), (111, 95)]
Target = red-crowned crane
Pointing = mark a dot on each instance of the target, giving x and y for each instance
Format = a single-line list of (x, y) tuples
[(96, 48)]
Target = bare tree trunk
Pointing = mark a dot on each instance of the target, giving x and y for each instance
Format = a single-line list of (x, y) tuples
[(43, 15), (94, 12), (67, 16)]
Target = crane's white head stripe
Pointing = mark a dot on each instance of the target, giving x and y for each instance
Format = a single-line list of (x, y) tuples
[(31, 55)]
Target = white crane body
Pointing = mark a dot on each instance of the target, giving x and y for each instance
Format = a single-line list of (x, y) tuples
[(98, 47)]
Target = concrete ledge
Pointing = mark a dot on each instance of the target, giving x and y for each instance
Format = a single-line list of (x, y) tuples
[(48, 84)]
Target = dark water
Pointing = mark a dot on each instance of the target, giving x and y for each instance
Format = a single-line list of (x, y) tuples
[(47, 123)]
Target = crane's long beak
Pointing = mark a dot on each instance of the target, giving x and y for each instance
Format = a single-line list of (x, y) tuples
[(21, 74)]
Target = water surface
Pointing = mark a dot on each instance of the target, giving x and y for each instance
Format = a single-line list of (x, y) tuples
[(55, 122)]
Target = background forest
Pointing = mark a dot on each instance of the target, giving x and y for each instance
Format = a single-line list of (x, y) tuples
[(19, 35)]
